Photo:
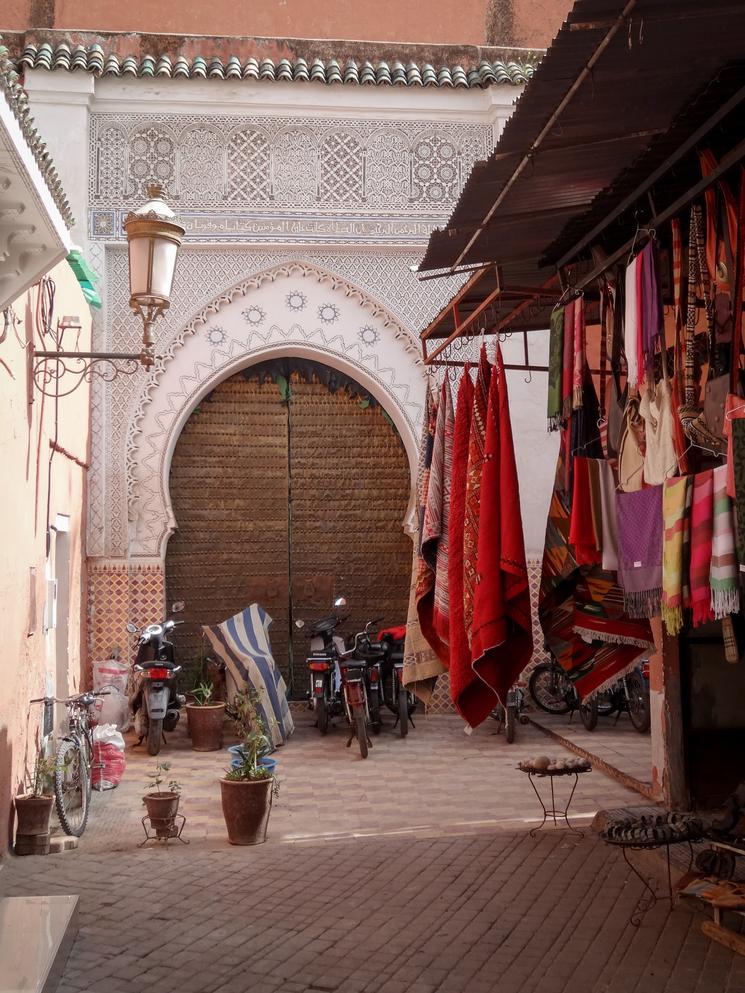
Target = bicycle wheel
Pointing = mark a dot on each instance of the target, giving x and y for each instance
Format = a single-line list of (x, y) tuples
[(548, 686), (322, 715), (361, 730), (72, 787), (638, 702), (510, 723), (154, 735), (403, 712)]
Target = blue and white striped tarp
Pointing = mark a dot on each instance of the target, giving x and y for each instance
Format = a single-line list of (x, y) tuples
[(242, 643)]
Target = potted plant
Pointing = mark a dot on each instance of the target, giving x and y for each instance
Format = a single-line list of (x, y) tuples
[(205, 719), (162, 805), (34, 809), (248, 787)]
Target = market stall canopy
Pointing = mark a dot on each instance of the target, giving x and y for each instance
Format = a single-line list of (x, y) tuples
[(621, 91)]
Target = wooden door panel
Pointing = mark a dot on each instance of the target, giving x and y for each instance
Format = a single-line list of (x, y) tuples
[(229, 494)]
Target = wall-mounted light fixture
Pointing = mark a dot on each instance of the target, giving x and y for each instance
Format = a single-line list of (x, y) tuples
[(154, 237)]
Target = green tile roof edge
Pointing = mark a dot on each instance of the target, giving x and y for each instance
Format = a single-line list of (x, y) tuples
[(95, 59), (17, 99)]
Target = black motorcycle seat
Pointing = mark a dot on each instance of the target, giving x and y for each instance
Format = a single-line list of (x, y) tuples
[(324, 625), (355, 663), (372, 653)]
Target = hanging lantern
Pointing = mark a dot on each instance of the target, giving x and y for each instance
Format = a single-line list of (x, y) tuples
[(154, 237)]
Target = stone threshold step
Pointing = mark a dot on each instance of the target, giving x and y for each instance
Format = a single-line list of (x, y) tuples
[(36, 935)]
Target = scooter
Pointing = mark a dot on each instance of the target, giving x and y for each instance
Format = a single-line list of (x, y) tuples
[(156, 704), (323, 667), (396, 697)]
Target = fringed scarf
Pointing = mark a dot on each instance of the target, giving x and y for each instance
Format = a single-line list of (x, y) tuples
[(738, 458), (555, 359), (476, 451), (421, 664), (651, 304), (725, 593), (578, 364), (567, 365), (673, 563), (502, 640), (640, 550), (608, 510), (460, 655), (432, 528), (585, 527), (630, 326), (441, 611), (702, 511)]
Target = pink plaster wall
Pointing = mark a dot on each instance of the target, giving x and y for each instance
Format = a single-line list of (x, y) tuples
[(28, 661)]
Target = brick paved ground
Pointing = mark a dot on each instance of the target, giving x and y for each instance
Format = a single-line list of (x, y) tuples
[(615, 742), (434, 911)]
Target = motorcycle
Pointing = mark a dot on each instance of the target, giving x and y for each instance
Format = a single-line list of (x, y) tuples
[(507, 716), (323, 667), (360, 683), (396, 697), (155, 703)]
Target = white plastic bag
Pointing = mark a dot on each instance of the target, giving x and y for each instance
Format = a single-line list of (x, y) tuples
[(112, 708), (110, 673), (109, 761)]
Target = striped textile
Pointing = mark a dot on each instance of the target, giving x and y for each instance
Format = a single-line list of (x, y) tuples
[(630, 326), (673, 513), (567, 361), (555, 357), (725, 593), (677, 271), (701, 531), (242, 643), (578, 364)]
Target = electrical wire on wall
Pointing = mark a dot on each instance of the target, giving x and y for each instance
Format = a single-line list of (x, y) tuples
[(44, 324)]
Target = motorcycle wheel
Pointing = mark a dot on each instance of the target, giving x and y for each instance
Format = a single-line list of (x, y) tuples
[(322, 715), (361, 730), (403, 712), (548, 687), (588, 713), (638, 703), (375, 722), (510, 722), (154, 735)]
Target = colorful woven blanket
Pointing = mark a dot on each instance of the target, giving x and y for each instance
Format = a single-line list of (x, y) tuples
[(441, 610), (502, 637), (578, 364), (673, 565), (460, 655), (432, 526), (702, 512), (640, 550), (476, 451), (725, 592), (242, 643), (586, 526)]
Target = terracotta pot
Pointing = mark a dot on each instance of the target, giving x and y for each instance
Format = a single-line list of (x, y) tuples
[(33, 813), (162, 809), (205, 726), (246, 805)]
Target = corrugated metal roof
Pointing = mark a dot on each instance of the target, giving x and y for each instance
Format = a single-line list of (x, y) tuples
[(94, 58), (647, 88)]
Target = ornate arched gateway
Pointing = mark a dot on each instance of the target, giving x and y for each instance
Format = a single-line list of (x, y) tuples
[(293, 311)]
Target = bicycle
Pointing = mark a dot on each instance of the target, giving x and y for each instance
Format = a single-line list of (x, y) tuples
[(73, 763)]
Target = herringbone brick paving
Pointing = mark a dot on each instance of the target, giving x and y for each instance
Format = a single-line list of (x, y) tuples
[(451, 912)]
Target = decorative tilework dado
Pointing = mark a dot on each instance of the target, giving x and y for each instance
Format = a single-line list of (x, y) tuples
[(231, 177), (117, 594), (441, 703)]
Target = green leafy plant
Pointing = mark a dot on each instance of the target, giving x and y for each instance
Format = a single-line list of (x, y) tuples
[(202, 694), (158, 776), (250, 728), (43, 781)]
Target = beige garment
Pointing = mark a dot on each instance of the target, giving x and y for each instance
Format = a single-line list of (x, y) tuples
[(660, 459), (630, 458), (421, 664)]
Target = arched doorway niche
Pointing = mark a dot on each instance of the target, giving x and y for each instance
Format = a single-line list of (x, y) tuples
[(291, 310)]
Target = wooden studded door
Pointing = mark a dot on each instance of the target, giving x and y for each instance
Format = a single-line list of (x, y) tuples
[(289, 485)]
